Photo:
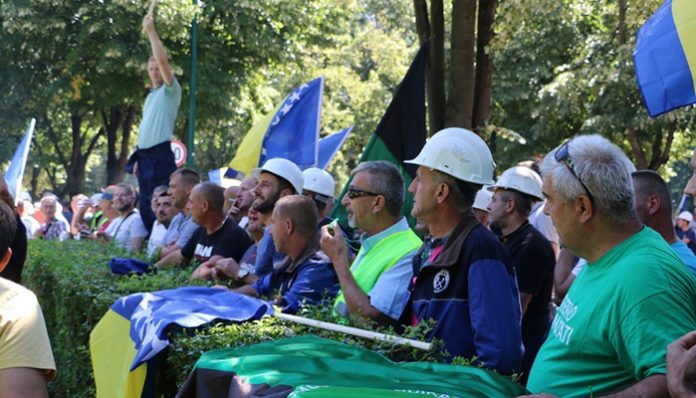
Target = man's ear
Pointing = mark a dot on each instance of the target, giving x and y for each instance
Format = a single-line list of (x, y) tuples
[(286, 192), (653, 204), (584, 208), (5, 259), (289, 225), (442, 192), (378, 203), (510, 205)]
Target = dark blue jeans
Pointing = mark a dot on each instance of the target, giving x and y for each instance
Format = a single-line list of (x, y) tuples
[(155, 164)]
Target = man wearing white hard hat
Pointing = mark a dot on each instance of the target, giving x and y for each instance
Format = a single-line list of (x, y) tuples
[(464, 279), (513, 195), (277, 178), (321, 187), (684, 231), (480, 207)]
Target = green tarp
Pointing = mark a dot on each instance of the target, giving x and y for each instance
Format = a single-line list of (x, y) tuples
[(309, 366)]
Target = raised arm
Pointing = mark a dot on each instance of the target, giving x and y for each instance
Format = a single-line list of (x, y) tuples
[(158, 50)]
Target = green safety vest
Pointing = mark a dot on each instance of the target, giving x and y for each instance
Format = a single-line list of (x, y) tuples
[(379, 259)]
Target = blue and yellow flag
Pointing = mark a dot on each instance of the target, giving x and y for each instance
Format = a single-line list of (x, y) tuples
[(665, 57), (130, 335), (291, 131)]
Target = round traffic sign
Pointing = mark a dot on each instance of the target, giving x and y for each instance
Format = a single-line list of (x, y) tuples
[(179, 150)]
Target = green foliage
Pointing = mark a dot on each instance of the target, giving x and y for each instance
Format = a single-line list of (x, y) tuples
[(73, 59), (564, 68), (75, 288)]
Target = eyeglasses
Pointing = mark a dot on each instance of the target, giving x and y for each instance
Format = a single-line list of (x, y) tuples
[(357, 193), (562, 155)]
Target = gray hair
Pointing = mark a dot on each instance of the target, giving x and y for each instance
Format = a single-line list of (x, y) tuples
[(387, 181), (603, 168)]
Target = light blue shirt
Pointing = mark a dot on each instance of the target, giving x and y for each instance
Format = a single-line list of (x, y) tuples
[(159, 115), (687, 256), (180, 231), (389, 294)]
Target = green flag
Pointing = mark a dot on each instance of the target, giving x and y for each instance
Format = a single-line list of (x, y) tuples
[(309, 366), (400, 134)]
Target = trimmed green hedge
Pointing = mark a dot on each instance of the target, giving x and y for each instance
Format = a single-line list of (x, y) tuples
[(76, 287)]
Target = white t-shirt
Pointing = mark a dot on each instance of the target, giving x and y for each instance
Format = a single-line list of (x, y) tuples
[(543, 223), (31, 225), (124, 229), (156, 237)]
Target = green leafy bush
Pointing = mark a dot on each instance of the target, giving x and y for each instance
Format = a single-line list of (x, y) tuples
[(76, 287)]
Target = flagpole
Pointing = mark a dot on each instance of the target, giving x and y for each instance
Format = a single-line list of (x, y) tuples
[(421, 345), (190, 161)]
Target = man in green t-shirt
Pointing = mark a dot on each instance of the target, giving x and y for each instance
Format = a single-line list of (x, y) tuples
[(633, 297)]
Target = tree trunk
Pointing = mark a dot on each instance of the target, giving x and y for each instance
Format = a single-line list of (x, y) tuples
[(75, 169), (127, 129), (114, 119), (484, 65), (460, 101), (636, 149), (110, 123), (436, 66), (622, 22), (660, 157)]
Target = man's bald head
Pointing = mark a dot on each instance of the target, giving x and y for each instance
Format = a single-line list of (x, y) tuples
[(301, 210), (211, 193)]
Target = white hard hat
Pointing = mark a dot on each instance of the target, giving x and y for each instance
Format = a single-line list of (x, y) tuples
[(483, 199), (687, 216), (319, 181), (94, 200), (521, 179), (459, 153), (285, 169)]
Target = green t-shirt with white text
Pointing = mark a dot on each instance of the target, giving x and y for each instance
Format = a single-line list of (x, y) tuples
[(613, 327)]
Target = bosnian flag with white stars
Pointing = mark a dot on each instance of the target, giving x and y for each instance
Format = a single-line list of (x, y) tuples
[(135, 329), (294, 130)]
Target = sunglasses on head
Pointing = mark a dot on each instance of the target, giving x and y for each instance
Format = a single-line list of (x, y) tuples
[(562, 155)]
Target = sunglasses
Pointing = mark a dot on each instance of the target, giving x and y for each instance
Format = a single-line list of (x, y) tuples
[(562, 155), (357, 193)]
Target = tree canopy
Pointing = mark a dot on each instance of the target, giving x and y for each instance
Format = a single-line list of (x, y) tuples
[(524, 75)]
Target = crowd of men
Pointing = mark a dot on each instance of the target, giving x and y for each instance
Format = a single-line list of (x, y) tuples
[(594, 317), (572, 274)]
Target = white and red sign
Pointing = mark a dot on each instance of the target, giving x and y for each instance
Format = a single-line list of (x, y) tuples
[(179, 150)]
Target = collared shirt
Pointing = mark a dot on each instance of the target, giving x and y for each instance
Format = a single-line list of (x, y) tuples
[(159, 115), (307, 280), (390, 293)]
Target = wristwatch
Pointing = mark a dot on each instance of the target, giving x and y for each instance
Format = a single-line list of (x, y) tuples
[(244, 270)]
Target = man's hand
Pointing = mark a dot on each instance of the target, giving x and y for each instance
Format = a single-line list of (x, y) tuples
[(681, 366), (234, 213), (148, 24), (334, 244), (226, 268)]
